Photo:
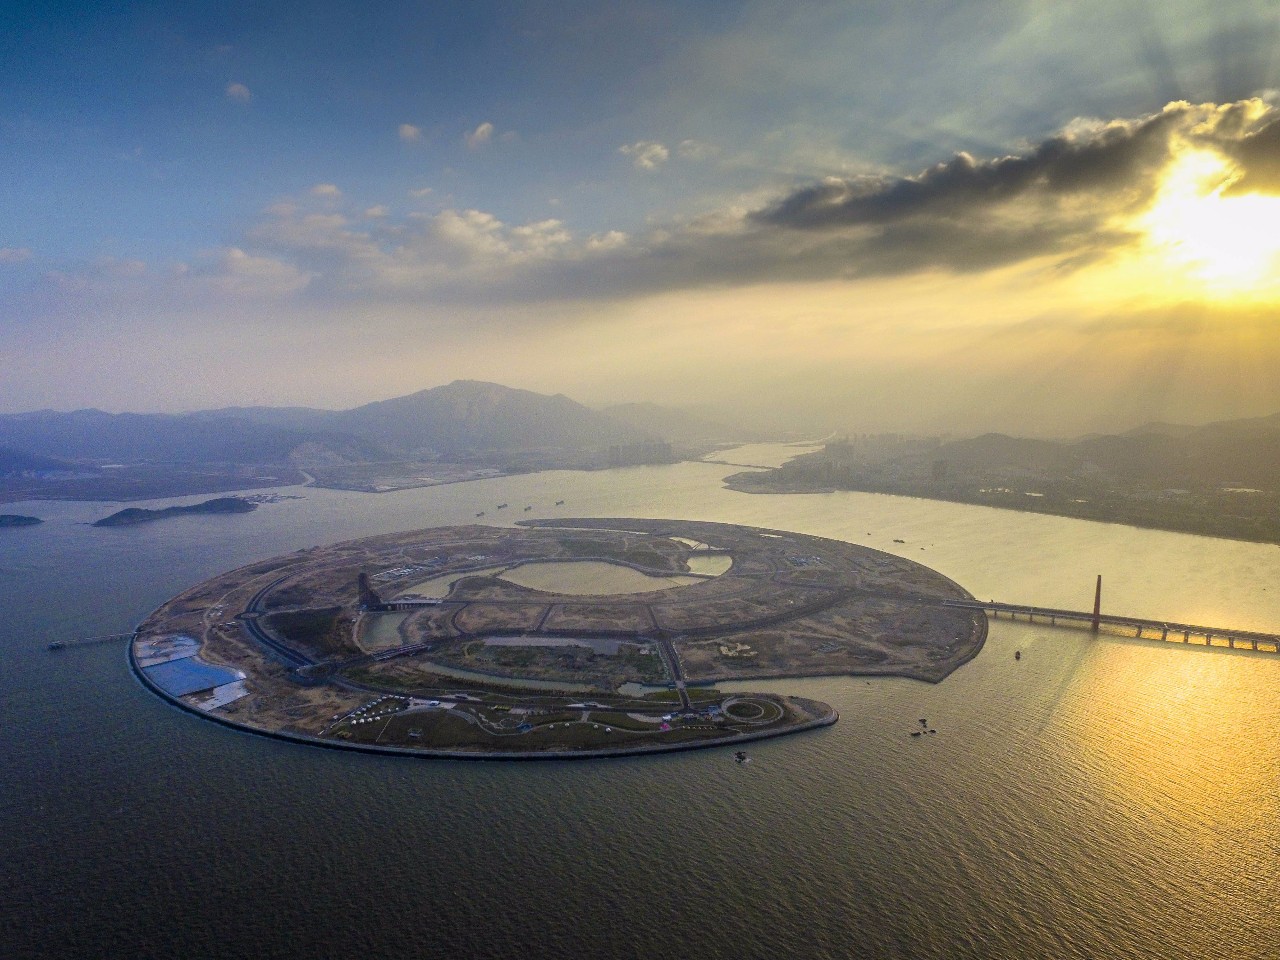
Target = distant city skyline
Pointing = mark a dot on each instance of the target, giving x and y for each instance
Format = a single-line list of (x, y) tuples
[(1034, 217)]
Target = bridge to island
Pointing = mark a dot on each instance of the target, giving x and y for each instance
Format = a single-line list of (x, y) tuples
[(89, 641), (1145, 628)]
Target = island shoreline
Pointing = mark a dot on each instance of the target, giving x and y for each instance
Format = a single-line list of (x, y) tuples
[(832, 717), (292, 666)]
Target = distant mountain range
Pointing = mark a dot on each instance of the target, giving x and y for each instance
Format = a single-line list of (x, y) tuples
[(463, 418), (484, 428), (92, 435), (1221, 479), (90, 454), (1242, 453)]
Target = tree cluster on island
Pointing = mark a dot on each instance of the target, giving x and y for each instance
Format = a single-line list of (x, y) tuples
[(132, 516)]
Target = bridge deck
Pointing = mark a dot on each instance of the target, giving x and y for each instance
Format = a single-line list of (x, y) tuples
[(1236, 639), (86, 641)]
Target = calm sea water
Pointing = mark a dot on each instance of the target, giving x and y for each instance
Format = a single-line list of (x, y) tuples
[(1097, 798)]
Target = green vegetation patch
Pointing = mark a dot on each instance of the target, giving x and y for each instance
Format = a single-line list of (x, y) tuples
[(323, 630), (292, 595), (696, 695), (588, 547), (621, 721), (663, 696), (646, 557), (642, 555), (448, 730)]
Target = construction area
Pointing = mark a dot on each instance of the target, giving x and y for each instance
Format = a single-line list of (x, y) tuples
[(585, 635)]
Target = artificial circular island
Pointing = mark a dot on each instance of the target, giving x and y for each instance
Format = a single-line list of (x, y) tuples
[(584, 637)]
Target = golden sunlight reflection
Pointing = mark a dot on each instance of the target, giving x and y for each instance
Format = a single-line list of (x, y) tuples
[(1231, 244), (1172, 733)]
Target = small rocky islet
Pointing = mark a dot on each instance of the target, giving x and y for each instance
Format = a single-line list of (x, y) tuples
[(18, 520), (132, 516)]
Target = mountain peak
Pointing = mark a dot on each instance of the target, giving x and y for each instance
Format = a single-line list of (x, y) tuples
[(468, 416)]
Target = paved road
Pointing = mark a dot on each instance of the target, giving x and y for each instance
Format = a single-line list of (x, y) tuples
[(250, 620), (667, 650)]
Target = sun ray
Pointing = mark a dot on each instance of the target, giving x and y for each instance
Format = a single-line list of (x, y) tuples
[(1229, 243)]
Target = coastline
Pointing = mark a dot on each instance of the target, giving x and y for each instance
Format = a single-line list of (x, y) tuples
[(793, 489), (830, 718)]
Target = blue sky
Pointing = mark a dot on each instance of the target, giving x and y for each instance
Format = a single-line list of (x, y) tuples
[(126, 119), (522, 173)]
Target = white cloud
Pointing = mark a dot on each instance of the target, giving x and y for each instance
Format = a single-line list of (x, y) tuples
[(326, 190), (119, 267), (473, 231), (315, 233), (611, 240), (14, 254), (540, 239), (239, 92), (695, 150), (421, 192), (243, 274), (646, 154), (480, 135), (409, 133), (455, 251)]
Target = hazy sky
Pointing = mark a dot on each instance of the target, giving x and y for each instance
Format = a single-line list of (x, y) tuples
[(1033, 216)]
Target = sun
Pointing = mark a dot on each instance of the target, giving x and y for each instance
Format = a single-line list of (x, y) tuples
[(1229, 243)]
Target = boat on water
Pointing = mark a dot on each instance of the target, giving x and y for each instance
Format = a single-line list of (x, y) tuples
[(502, 506), (559, 503), (527, 509), (480, 514), (1017, 654), (741, 757)]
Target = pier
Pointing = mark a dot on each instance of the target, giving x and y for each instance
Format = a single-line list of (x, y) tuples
[(89, 641), (1145, 628)]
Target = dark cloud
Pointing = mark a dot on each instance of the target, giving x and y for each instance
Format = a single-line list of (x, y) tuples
[(1067, 198), (1062, 196), (1259, 154), (1059, 198), (1114, 157)]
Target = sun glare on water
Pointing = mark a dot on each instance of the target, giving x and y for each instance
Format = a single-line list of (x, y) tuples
[(1229, 243)]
